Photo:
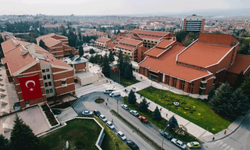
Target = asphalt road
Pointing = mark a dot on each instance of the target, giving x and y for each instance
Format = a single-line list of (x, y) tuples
[(87, 102)]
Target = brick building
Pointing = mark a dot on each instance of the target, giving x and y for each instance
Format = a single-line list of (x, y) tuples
[(23, 59), (102, 43), (133, 48), (193, 23), (196, 68), (57, 45)]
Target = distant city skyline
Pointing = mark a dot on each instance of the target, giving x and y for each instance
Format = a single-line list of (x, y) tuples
[(115, 7)]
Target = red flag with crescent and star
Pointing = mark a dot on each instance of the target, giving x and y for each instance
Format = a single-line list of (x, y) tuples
[(30, 86)]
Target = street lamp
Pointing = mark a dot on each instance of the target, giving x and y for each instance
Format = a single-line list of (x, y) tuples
[(163, 137), (117, 106)]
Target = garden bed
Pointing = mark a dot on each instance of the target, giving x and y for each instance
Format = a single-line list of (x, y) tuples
[(194, 110), (50, 116)]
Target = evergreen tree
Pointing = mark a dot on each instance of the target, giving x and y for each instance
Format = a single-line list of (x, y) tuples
[(106, 68), (22, 137), (111, 57), (80, 35), (92, 59), (71, 55), (156, 115), (189, 38), (42, 44), (245, 87), (172, 123), (211, 93), (118, 32), (4, 143), (91, 51), (130, 71), (120, 61), (81, 52), (241, 105), (127, 73), (239, 80), (143, 106), (131, 97), (1, 50)]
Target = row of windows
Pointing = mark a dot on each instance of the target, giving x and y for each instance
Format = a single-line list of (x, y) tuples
[(47, 70), (45, 77), (46, 84), (49, 91)]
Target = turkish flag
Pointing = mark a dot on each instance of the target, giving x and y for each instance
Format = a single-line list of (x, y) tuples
[(30, 86)]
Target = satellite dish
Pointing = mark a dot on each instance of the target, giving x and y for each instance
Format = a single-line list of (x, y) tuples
[(67, 145)]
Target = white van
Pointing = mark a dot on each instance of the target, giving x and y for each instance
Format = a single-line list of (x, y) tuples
[(107, 91), (114, 93)]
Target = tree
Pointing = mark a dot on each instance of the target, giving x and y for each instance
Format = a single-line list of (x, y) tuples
[(81, 52), (239, 80), (91, 51), (245, 87), (71, 55), (241, 105), (131, 97), (92, 59), (211, 93), (111, 57), (189, 38), (143, 106), (1, 50), (156, 115), (106, 68), (4, 143), (22, 137), (127, 73), (120, 61), (172, 123), (42, 44)]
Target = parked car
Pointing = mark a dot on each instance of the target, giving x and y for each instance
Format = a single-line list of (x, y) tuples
[(134, 112), (121, 135), (87, 113), (193, 144), (110, 125), (132, 145), (97, 113), (57, 112), (124, 106), (143, 119), (107, 91), (103, 118), (179, 143), (115, 93), (165, 134)]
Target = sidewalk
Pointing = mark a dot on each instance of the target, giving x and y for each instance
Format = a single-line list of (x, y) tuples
[(192, 128)]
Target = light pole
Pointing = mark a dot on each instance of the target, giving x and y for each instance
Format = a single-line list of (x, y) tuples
[(163, 137), (117, 106)]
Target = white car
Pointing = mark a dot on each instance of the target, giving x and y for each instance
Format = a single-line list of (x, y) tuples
[(179, 143), (87, 113), (110, 125), (103, 118), (124, 106), (134, 112), (121, 135)]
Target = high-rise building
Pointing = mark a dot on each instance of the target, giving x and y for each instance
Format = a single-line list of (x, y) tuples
[(193, 24)]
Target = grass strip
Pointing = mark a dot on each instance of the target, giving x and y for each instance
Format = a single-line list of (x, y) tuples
[(141, 134)]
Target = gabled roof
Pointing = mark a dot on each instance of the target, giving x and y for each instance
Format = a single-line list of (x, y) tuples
[(127, 47), (155, 33), (203, 55), (130, 41), (155, 51), (50, 42), (43, 37), (167, 64), (242, 63), (103, 40), (165, 43)]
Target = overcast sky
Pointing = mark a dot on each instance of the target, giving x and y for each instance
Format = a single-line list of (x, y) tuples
[(113, 7)]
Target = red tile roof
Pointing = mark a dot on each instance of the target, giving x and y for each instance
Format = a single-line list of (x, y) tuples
[(50, 42), (165, 43), (130, 41), (241, 63), (125, 47), (149, 37), (103, 40), (155, 33), (43, 37), (203, 55), (155, 52), (167, 64)]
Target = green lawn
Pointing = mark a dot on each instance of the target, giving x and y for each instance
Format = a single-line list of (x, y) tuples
[(194, 110), (120, 79), (160, 124), (111, 141), (81, 134)]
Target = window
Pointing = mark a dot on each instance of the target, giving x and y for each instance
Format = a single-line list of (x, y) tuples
[(51, 90), (44, 77), (64, 81), (47, 70), (48, 76), (47, 91), (43, 70), (46, 84), (49, 83), (27, 102), (54, 49)]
